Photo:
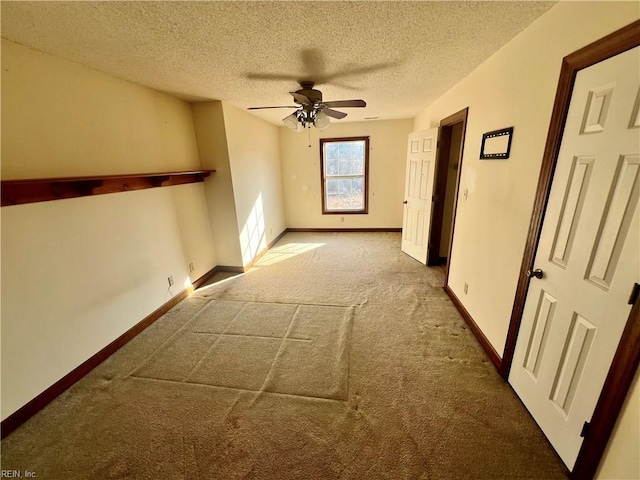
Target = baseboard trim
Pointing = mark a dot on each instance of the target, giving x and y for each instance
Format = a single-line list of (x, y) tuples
[(24, 413), (197, 283), (391, 229), (484, 341), (277, 239), (228, 268)]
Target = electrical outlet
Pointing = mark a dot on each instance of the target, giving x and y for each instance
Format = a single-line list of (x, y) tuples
[(170, 279), (466, 288), (191, 267)]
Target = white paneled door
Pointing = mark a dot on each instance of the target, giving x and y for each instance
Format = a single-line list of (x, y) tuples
[(588, 256), (418, 192)]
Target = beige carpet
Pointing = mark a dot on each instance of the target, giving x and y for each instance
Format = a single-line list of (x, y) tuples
[(335, 357)]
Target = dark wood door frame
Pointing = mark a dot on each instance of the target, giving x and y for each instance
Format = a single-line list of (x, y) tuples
[(627, 357), (442, 161)]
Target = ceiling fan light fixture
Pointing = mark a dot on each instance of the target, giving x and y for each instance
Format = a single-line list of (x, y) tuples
[(321, 121), (291, 121)]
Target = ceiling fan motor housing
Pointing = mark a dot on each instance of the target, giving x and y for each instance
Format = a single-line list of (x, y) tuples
[(308, 91)]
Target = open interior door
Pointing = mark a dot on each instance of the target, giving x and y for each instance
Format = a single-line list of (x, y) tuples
[(587, 259), (418, 193)]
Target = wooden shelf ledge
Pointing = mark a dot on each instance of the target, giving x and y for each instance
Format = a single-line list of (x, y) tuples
[(20, 192)]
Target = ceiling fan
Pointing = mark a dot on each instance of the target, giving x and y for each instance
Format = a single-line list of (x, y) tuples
[(311, 110)]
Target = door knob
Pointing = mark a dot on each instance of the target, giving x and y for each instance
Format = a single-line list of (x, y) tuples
[(535, 273), (405, 202)]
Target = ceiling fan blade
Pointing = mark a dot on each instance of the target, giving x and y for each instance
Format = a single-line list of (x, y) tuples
[(334, 113), (346, 103), (352, 71), (282, 106), (271, 76), (301, 98)]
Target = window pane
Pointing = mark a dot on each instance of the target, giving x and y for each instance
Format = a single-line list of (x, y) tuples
[(332, 166), (344, 158), (331, 150), (345, 194), (351, 166)]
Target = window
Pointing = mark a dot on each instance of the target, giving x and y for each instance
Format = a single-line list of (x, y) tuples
[(345, 174)]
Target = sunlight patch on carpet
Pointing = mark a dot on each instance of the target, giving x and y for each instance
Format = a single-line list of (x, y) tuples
[(285, 252)]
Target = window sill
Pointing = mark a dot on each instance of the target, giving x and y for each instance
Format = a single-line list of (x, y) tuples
[(345, 212)]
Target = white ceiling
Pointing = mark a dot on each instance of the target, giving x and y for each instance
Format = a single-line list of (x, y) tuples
[(397, 56)]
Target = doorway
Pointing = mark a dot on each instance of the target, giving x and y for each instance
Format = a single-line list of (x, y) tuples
[(447, 180)]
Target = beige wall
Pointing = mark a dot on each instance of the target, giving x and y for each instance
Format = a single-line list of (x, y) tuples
[(245, 194), (211, 136), (63, 119), (516, 86), (254, 157), (621, 460), (78, 273), (301, 175)]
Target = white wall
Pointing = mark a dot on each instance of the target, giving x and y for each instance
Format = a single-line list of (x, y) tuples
[(254, 156), (78, 273), (301, 174), (516, 87)]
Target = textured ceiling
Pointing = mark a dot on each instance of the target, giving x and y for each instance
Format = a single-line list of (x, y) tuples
[(397, 56)]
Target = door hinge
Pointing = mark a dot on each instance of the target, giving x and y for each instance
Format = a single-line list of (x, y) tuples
[(635, 293), (585, 429)]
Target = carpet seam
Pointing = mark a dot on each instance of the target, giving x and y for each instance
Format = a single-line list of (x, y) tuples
[(290, 303), (207, 385), (275, 358), (213, 345), (246, 335), (152, 354), (349, 336)]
